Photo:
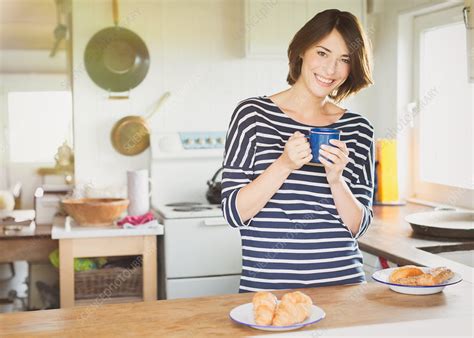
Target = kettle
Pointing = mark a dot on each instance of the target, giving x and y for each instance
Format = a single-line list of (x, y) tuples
[(213, 193)]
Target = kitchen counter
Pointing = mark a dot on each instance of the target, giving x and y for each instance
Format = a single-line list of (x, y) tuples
[(345, 306), (355, 309), (391, 237)]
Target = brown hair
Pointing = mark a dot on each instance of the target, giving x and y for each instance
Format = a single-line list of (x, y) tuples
[(318, 28)]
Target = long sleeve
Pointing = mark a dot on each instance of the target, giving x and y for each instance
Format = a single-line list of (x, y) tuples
[(363, 187), (238, 160)]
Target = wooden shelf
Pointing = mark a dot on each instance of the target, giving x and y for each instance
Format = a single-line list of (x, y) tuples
[(113, 300)]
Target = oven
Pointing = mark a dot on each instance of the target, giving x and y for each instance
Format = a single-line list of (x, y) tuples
[(199, 254)]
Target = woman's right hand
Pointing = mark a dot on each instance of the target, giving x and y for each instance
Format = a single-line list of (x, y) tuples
[(297, 152)]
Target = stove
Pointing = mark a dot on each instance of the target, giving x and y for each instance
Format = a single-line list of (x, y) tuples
[(199, 253), (189, 210)]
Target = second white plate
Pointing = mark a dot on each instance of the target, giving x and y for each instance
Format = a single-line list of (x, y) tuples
[(382, 276)]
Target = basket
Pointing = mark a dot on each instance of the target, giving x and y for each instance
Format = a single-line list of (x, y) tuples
[(108, 283)]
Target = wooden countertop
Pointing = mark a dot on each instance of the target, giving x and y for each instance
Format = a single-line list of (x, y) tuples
[(390, 236), (345, 306)]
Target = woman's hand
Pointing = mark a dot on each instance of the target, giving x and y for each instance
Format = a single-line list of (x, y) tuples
[(339, 155), (297, 152)]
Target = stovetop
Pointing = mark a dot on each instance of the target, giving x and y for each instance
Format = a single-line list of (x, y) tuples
[(189, 210)]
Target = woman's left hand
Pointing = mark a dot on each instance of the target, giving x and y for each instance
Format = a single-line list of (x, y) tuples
[(339, 155)]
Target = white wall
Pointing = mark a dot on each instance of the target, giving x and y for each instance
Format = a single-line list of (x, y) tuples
[(196, 50)]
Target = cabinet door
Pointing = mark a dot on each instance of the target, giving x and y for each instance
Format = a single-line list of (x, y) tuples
[(356, 7), (201, 247), (202, 287), (271, 24)]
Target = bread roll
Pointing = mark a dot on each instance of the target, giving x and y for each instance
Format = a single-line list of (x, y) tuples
[(264, 305)]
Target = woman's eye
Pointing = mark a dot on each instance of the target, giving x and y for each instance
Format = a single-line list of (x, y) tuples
[(346, 60), (321, 53)]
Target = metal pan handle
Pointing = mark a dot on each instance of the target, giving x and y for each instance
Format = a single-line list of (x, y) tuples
[(115, 12)]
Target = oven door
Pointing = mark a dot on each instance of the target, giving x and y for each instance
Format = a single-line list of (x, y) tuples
[(198, 247), (201, 287)]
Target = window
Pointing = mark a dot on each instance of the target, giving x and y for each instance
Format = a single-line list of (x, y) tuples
[(443, 130), (38, 123)]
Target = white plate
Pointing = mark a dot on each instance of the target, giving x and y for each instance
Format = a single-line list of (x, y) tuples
[(382, 276), (243, 314)]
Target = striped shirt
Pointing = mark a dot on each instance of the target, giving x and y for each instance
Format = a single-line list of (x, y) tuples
[(297, 239)]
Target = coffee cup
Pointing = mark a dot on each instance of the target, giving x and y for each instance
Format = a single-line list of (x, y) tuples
[(320, 136)]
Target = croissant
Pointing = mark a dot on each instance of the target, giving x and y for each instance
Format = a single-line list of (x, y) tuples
[(294, 308), (264, 305)]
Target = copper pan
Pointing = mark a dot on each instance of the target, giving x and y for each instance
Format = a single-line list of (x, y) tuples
[(131, 135)]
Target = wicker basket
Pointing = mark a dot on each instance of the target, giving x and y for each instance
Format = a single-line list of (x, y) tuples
[(108, 283)]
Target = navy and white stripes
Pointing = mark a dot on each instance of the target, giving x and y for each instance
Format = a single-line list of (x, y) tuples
[(298, 239)]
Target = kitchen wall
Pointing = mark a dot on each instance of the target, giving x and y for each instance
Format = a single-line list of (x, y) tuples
[(197, 53)]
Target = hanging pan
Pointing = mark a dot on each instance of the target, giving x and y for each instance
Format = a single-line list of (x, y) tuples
[(131, 135), (116, 58)]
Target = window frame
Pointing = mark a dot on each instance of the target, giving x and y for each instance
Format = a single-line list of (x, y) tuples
[(421, 190)]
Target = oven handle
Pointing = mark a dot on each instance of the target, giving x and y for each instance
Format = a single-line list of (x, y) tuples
[(215, 221)]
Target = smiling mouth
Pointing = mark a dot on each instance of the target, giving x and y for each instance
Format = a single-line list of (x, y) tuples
[(324, 81)]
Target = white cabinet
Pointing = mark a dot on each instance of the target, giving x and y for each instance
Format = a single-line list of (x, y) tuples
[(271, 24), (202, 287)]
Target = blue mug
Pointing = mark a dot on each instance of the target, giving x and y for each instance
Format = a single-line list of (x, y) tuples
[(320, 136)]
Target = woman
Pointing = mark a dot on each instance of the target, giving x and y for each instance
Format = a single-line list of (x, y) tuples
[(299, 222)]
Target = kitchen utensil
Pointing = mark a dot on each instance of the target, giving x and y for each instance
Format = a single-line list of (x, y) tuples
[(95, 211), (382, 276), (320, 136), (116, 58), (138, 190), (446, 224), (214, 189), (60, 32), (243, 314), (131, 135)]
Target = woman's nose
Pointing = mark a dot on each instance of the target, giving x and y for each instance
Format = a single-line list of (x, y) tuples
[(330, 67)]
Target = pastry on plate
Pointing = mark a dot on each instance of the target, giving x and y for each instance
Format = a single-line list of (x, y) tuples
[(406, 271), (411, 275), (264, 305), (293, 308), (434, 277)]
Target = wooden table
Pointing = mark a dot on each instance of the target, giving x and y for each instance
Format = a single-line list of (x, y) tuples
[(105, 242), (345, 306), (33, 247)]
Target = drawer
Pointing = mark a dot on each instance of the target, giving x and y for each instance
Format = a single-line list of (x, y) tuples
[(201, 247), (200, 287)]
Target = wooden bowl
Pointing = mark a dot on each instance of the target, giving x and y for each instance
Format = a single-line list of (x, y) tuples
[(95, 211)]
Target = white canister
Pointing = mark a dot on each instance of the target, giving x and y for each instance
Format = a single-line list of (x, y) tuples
[(138, 192)]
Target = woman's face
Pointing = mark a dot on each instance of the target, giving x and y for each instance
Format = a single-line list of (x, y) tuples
[(326, 65)]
